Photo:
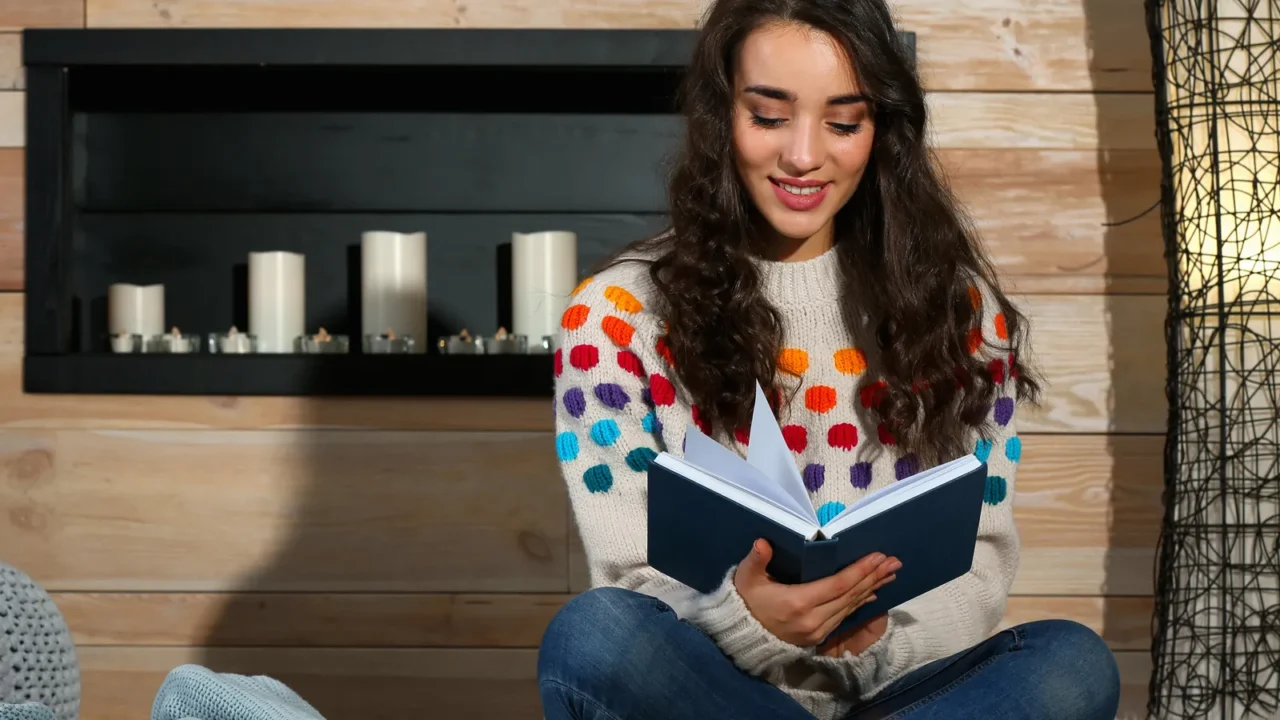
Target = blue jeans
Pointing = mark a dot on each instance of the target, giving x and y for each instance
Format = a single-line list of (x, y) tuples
[(613, 654)]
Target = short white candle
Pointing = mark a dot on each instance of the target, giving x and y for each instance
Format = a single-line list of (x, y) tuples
[(544, 268), (123, 342), (237, 343), (135, 309)]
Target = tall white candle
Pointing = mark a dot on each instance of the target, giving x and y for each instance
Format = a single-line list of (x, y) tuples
[(135, 309), (544, 270), (393, 285), (277, 299)]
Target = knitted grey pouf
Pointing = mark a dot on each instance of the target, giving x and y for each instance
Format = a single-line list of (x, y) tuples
[(37, 657)]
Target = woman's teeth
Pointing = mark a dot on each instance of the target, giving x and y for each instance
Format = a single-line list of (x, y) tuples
[(801, 190)]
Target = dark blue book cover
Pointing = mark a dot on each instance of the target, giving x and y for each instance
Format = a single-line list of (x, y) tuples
[(696, 535)]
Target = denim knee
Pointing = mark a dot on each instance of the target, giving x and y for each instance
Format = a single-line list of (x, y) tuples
[(593, 642), (1078, 678)]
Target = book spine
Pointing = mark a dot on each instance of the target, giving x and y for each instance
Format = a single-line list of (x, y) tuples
[(821, 559)]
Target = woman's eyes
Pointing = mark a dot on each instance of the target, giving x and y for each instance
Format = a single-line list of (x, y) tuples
[(769, 122)]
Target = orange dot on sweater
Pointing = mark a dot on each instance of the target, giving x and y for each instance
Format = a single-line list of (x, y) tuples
[(623, 300), (618, 330), (574, 317), (1002, 329), (851, 361), (793, 361), (820, 398), (581, 285), (974, 340), (975, 297)]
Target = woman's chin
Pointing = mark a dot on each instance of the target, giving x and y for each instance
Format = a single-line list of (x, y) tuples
[(797, 226)]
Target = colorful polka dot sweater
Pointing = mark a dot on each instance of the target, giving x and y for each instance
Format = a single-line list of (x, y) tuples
[(618, 404)]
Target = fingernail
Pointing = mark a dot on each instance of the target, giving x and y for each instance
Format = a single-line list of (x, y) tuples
[(895, 565), (877, 558)]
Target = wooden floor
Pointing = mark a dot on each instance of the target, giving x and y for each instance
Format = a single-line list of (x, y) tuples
[(390, 558)]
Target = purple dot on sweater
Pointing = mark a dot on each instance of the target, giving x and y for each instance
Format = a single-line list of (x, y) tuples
[(1004, 410), (860, 475), (646, 397), (575, 402), (905, 467), (612, 395), (814, 476)]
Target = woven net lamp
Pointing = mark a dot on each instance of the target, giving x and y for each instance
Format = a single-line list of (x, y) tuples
[(1216, 629)]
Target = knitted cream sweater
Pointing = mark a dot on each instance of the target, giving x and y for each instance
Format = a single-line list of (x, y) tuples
[(618, 404)]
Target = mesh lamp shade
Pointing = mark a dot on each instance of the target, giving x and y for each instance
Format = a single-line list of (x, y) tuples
[(1216, 644)]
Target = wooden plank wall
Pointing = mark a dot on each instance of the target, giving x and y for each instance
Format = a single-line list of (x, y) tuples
[(359, 550)]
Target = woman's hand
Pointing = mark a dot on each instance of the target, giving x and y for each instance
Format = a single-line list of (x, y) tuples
[(804, 614), (857, 639)]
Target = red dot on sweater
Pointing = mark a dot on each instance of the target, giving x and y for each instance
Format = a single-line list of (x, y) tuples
[(873, 394), (701, 421), (1013, 367), (558, 361), (974, 340), (661, 390), (630, 362), (797, 437), (584, 357), (886, 437), (743, 435), (996, 367), (665, 351), (843, 436)]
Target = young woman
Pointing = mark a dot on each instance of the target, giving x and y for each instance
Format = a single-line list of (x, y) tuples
[(813, 248)]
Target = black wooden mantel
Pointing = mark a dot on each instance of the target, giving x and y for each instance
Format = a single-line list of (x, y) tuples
[(167, 155)]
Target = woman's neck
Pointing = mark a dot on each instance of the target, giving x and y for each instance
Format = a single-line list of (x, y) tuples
[(785, 249)]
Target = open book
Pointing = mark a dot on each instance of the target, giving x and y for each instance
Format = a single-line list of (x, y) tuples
[(707, 508)]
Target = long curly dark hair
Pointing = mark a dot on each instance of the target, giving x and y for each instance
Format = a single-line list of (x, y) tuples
[(907, 252)]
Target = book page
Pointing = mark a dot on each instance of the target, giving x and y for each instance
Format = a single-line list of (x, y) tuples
[(714, 459), (768, 452)]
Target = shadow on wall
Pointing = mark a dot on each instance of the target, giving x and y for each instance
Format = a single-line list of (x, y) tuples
[(1129, 180)]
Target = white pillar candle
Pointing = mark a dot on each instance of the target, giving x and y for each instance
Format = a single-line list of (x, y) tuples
[(393, 285), (544, 270), (135, 309), (277, 299)]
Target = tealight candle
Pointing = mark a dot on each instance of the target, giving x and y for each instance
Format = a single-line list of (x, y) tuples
[(232, 342)]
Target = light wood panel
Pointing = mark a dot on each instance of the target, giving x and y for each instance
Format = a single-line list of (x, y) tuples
[(19, 14), (12, 211), (121, 683), (1095, 351), (1042, 214), (1064, 121), (443, 512), (994, 45), (13, 119), (282, 510), (12, 75), (436, 620)]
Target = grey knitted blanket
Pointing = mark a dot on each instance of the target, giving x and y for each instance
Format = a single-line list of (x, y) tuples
[(192, 692)]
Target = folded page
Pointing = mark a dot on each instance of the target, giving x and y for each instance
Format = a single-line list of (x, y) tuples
[(769, 453), (715, 459)]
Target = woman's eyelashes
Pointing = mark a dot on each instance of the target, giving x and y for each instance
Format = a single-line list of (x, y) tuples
[(771, 122)]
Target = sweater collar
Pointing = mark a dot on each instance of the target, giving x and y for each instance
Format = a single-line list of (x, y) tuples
[(804, 282)]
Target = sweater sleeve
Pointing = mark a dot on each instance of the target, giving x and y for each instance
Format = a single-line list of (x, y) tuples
[(616, 409), (967, 610)]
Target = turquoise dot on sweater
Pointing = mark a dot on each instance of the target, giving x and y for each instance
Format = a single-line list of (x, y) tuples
[(1013, 449), (605, 432), (983, 450), (640, 458), (651, 424), (829, 510), (567, 446), (599, 478), (996, 491)]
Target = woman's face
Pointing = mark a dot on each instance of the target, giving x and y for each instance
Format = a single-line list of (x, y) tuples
[(801, 129)]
